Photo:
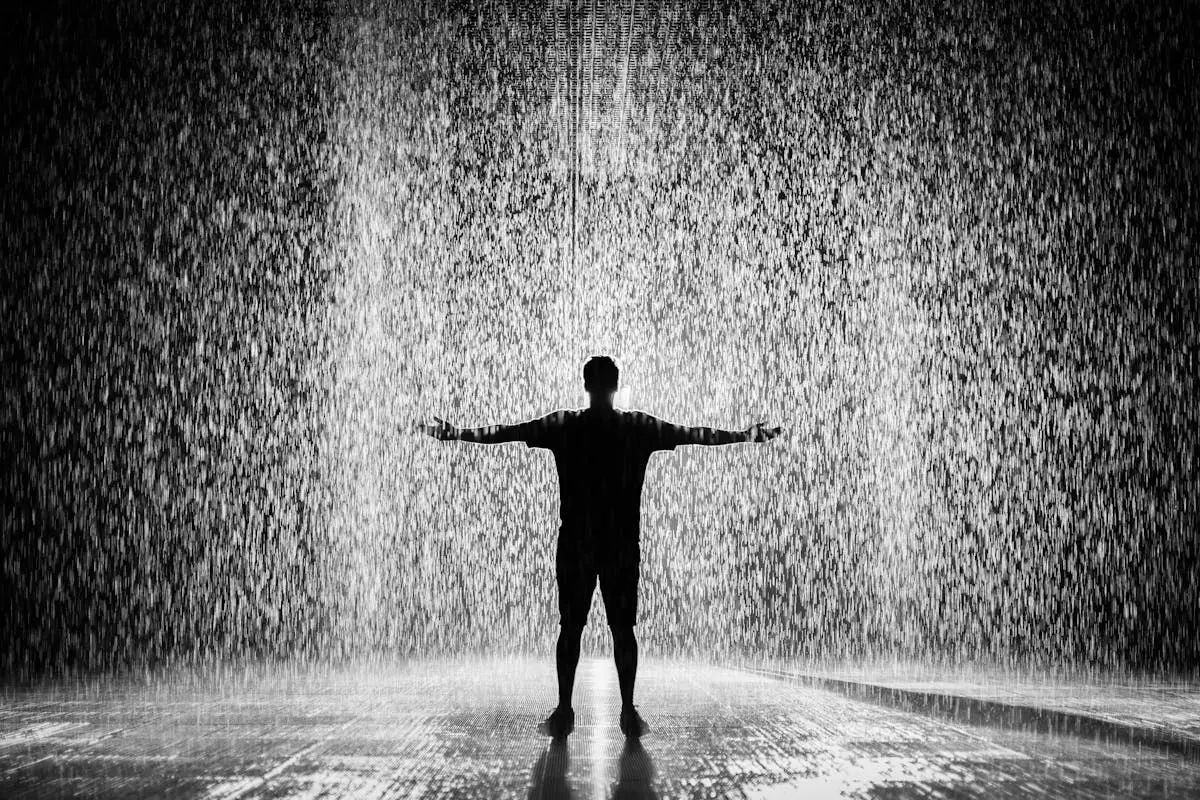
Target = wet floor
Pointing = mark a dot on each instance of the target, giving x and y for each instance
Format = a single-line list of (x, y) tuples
[(458, 729)]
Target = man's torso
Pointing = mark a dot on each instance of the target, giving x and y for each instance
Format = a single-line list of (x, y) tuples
[(601, 458)]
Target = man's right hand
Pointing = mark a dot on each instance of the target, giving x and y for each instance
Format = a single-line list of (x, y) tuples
[(438, 429), (761, 433)]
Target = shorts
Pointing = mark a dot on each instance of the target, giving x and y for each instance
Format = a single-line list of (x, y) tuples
[(577, 568)]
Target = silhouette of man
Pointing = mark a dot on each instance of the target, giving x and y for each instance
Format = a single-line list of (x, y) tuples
[(601, 453)]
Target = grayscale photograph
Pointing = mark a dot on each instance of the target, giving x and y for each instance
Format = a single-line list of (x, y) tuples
[(628, 400)]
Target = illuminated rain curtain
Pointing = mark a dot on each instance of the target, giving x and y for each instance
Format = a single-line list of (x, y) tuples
[(951, 252)]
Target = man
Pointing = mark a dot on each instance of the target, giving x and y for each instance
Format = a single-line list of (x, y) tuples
[(601, 453)]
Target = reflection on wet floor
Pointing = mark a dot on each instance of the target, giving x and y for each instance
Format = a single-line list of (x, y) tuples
[(467, 729), (634, 779)]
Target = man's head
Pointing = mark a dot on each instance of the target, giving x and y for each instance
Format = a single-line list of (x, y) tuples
[(601, 377)]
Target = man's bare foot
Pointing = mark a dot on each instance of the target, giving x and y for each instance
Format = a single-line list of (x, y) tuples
[(632, 724), (560, 723)]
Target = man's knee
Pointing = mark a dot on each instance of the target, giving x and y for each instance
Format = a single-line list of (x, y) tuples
[(623, 633), (571, 629)]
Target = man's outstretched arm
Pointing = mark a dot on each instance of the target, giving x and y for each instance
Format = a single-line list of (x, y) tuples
[(714, 436), (488, 434)]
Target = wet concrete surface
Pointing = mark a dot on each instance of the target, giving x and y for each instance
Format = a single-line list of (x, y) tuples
[(1164, 703), (1140, 711), (467, 729)]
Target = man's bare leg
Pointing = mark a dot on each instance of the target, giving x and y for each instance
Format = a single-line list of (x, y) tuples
[(567, 658), (625, 652), (566, 654)]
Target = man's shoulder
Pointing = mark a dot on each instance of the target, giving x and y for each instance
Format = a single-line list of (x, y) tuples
[(640, 418), (546, 430), (562, 416)]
